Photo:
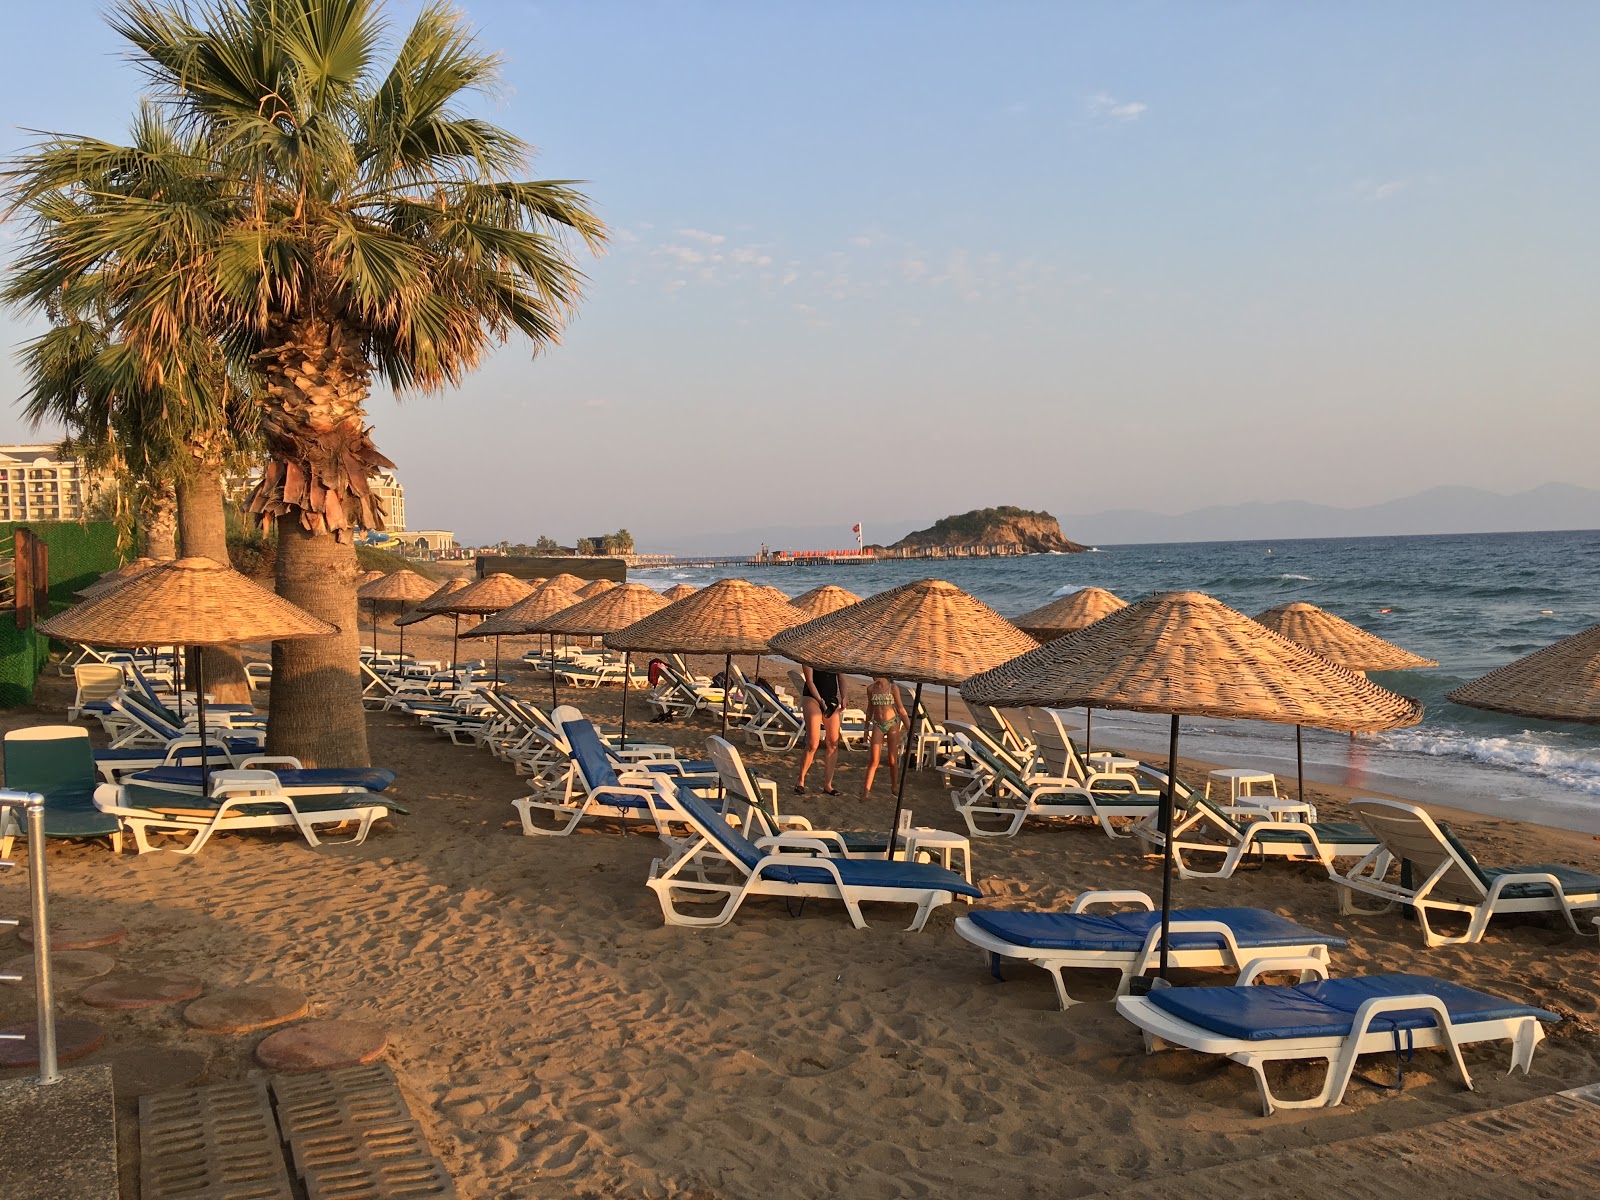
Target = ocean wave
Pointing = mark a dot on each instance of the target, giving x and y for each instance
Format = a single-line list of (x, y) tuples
[(1066, 589), (1305, 578), (1579, 772)]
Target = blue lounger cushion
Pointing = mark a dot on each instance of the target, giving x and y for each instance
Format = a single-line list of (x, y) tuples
[(1327, 1007), (157, 753), (164, 799), (875, 872), (1127, 931), (372, 779), (1572, 881)]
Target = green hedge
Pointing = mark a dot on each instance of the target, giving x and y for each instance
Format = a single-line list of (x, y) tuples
[(79, 554), (22, 656)]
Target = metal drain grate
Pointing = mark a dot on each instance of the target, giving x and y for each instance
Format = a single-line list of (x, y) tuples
[(211, 1143), (352, 1137)]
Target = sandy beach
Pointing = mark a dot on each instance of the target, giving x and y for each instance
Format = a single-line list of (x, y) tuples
[(557, 1039)]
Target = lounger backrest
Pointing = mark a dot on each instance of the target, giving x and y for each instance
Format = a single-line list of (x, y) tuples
[(130, 706), (715, 827), (985, 755), (731, 769), (54, 760), (777, 704), (1053, 746), (587, 750), (1411, 836), (146, 694), (97, 681)]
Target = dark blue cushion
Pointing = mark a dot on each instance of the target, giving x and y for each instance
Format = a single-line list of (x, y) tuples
[(1327, 1007), (1572, 880), (373, 779), (1127, 931), (875, 872), (589, 752)]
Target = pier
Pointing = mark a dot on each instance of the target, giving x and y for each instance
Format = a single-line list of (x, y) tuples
[(827, 558)]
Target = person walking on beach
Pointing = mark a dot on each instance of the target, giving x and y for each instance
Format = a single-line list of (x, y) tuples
[(822, 701), (886, 717)]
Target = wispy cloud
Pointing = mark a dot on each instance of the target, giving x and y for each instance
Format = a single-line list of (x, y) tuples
[(1110, 108), (1377, 190)]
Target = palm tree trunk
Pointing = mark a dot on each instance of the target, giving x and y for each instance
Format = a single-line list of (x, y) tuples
[(203, 533), (158, 523), (315, 490)]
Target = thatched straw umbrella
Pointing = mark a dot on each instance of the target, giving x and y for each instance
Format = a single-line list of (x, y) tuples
[(607, 612), (419, 613), (924, 632), (491, 594), (1068, 615), (116, 577), (731, 616), (1341, 643), (406, 587), (1559, 683), (549, 598), (367, 577), (820, 601), (1187, 654), (594, 587), (678, 591), (190, 602)]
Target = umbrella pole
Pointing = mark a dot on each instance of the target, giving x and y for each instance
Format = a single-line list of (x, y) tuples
[(947, 702), (727, 681), (200, 699), (1167, 809), (552, 672), (905, 764), (627, 670), (1300, 764), (455, 648), (1088, 730), (177, 680), (497, 662), (402, 651)]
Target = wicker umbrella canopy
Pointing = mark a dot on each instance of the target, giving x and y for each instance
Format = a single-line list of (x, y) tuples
[(367, 577), (1559, 683), (1188, 654), (820, 601), (564, 581), (1070, 613), (422, 612), (924, 632), (491, 594), (188, 602), (115, 578), (1337, 640), (678, 591), (605, 611), (731, 616), (522, 616), (594, 588), (405, 586)]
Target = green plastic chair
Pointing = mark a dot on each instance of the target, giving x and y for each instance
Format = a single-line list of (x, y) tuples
[(57, 762)]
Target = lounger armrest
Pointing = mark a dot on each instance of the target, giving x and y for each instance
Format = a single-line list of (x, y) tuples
[(1502, 882), (778, 843), (1086, 900), (268, 762), (1309, 965)]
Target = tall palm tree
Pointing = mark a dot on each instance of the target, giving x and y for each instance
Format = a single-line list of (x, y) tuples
[(371, 226), (168, 417)]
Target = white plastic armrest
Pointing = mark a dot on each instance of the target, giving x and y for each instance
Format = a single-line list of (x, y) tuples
[(1309, 966), (778, 843), (268, 761), (1138, 899)]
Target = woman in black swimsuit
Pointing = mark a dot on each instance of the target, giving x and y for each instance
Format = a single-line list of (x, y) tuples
[(823, 703)]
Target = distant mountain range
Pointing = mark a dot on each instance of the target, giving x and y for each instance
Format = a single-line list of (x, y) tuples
[(1437, 510)]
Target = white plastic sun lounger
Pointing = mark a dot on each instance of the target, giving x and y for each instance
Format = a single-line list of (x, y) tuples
[(239, 800), (721, 864), (1129, 942), (1207, 829), (1443, 876), (998, 802), (1336, 1020)]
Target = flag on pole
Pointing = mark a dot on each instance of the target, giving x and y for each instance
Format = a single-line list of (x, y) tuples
[(856, 529)]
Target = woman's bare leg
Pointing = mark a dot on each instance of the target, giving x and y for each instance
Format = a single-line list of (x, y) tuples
[(830, 748), (873, 752), (813, 715)]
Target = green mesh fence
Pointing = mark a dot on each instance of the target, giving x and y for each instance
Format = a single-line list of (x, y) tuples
[(79, 555)]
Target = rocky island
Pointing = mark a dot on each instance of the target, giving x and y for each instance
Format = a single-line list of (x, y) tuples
[(1034, 532)]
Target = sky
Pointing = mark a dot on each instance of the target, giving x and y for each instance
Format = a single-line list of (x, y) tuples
[(886, 262)]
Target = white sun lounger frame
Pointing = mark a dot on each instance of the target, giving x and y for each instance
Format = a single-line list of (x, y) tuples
[(1130, 963), (1340, 1053)]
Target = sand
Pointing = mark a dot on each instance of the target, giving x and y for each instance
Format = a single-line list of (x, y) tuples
[(557, 1039)]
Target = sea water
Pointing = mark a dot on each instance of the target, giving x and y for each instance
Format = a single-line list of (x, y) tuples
[(1472, 602)]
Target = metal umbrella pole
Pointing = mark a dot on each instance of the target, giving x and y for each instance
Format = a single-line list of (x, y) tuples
[(905, 766), (200, 700), (1168, 807), (455, 648), (627, 673), (497, 662), (552, 672), (1300, 763), (1088, 730), (727, 679)]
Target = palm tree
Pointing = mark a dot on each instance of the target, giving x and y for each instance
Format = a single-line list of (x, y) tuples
[(166, 417), (368, 226)]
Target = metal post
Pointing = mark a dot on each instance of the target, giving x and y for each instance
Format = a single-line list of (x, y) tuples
[(905, 765), (205, 742), (552, 672), (1088, 730), (627, 671), (1168, 808), (38, 891), (1300, 763), (455, 649)]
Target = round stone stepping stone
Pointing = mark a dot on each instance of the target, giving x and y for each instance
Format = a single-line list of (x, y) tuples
[(322, 1046), (78, 933), (69, 969), (133, 990), (141, 1070), (75, 1037), (239, 1010)]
